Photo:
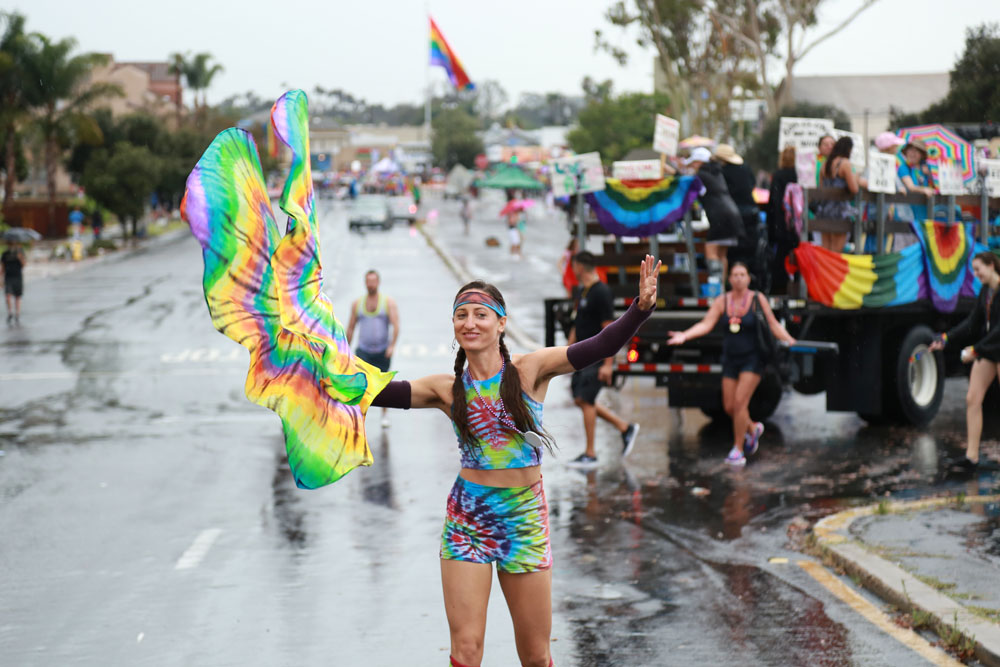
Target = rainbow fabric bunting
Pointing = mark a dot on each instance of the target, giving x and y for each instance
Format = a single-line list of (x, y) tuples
[(264, 291), (939, 267), (643, 208), (949, 250), (443, 56), (861, 281)]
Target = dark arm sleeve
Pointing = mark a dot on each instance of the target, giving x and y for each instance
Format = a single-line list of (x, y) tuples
[(965, 329), (611, 339), (395, 395)]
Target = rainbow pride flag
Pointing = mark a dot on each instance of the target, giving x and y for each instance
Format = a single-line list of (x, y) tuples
[(443, 56), (948, 250), (264, 291), (643, 208), (861, 281)]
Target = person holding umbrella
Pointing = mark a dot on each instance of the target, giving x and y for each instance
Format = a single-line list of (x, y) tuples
[(13, 260)]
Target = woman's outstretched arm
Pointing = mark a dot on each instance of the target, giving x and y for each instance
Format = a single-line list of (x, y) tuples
[(430, 391), (704, 326), (542, 365)]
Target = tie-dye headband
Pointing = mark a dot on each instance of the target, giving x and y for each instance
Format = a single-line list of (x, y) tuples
[(480, 298)]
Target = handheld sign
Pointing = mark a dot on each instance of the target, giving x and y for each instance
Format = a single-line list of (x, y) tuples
[(950, 180), (805, 168), (579, 173), (803, 133), (881, 172), (636, 170), (666, 135), (991, 169)]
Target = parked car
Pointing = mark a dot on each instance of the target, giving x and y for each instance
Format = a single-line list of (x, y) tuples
[(370, 211), (402, 207)]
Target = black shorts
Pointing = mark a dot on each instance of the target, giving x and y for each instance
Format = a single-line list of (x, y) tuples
[(732, 366), (13, 286), (585, 384), (376, 359)]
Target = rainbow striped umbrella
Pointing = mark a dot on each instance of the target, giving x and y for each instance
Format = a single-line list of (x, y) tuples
[(943, 144)]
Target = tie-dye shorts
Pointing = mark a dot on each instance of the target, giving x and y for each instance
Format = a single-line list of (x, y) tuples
[(491, 523)]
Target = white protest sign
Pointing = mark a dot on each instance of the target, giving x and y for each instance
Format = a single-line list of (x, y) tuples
[(805, 168), (579, 173), (636, 170), (666, 135), (881, 172), (950, 181), (803, 133), (857, 151), (991, 169)]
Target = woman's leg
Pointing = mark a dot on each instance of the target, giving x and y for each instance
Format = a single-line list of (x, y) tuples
[(745, 387), (980, 378), (729, 405), (529, 598), (466, 595)]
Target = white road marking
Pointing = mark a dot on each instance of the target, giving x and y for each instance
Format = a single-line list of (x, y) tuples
[(198, 549)]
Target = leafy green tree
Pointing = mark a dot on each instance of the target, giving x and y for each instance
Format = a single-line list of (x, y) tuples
[(16, 49), (974, 90), (455, 140), (615, 125), (198, 72), (763, 151), (60, 97), (121, 179)]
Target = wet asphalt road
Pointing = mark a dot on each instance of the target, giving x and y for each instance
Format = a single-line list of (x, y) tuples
[(148, 516)]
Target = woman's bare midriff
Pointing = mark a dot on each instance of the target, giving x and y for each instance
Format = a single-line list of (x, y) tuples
[(508, 478)]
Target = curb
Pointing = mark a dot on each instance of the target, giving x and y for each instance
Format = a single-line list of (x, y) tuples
[(518, 334), (899, 587)]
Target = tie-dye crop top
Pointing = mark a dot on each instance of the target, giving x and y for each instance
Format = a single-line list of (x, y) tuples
[(497, 447)]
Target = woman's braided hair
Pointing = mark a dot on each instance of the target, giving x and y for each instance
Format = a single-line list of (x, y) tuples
[(510, 384)]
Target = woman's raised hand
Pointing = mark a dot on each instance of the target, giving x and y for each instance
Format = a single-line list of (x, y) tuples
[(649, 274)]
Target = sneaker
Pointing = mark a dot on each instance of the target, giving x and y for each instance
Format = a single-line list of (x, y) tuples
[(736, 458), (628, 438), (584, 461), (752, 439), (385, 422), (963, 464)]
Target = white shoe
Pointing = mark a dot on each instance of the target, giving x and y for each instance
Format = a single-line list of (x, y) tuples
[(385, 422)]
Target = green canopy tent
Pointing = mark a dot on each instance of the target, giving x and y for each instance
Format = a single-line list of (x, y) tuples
[(509, 177)]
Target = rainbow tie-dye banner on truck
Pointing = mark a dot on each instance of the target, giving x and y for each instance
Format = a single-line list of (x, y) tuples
[(643, 208), (938, 268), (264, 290)]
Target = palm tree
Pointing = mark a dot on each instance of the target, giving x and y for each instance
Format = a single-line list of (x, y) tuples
[(60, 96), (197, 73), (15, 50)]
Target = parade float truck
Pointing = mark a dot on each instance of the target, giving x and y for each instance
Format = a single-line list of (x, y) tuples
[(863, 321)]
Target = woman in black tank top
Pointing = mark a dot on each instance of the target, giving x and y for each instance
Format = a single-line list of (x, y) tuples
[(742, 361)]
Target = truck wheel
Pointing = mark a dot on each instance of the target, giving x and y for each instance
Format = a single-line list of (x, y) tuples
[(815, 383), (915, 390), (766, 398), (714, 413)]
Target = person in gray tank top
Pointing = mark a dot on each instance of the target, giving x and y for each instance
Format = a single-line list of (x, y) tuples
[(374, 314)]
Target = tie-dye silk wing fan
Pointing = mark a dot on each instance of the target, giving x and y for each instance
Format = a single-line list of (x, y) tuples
[(264, 292)]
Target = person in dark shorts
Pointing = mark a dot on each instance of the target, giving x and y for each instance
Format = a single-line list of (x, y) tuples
[(742, 361), (13, 260), (375, 313), (594, 311)]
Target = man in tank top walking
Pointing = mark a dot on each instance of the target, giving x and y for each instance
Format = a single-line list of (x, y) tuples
[(375, 313)]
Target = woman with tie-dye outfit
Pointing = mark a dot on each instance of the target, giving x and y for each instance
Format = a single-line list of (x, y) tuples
[(497, 510)]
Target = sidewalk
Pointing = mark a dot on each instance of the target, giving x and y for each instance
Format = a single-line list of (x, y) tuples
[(51, 257), (937, 560)]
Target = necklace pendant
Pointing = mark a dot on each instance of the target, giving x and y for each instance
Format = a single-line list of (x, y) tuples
[(734, 327), (533, 439)]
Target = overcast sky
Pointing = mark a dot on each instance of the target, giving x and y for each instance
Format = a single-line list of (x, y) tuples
[(378, 49)]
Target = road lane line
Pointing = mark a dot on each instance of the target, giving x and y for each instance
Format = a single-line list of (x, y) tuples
[(190, 558), (876, 617)]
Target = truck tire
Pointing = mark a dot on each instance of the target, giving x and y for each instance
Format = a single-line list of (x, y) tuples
[(914, 386), (766, 398), (714, 413)]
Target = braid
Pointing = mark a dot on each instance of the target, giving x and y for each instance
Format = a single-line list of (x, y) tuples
[(510, 393), (459, 409)]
